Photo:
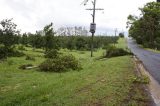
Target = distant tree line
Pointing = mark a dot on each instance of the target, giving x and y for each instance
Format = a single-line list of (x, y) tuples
[(70, 42), (145, 29), (48, 38)]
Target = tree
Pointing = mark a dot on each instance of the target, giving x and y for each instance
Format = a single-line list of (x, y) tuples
[(50, 41), (121, 34), (24, 39), (80, 43), (8, 33), (146, 29)]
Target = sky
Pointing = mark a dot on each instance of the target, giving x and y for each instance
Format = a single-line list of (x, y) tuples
[(32, 15)]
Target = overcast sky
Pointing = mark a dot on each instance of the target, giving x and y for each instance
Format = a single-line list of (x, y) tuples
[(32, 15)]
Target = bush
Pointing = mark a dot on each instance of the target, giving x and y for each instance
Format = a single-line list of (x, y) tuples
[(70, 62), (30, 58), (21, 47), (15, 53), (8, 52), (3, 53), (51, 54), (114, 52), (60, 64), (106, 47)]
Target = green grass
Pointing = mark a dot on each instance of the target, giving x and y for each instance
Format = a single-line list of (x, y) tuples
[(104, 82), (122, 43), (153, 50), (149, 49)]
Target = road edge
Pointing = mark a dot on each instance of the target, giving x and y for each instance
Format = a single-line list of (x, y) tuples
[(153, 88)]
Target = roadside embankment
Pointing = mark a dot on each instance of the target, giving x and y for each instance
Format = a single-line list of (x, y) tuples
[(153, 87)]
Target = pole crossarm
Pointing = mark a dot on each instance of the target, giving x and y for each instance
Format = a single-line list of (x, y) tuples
[(95, 9)]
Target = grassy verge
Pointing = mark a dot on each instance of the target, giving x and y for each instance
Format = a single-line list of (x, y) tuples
[(122, 43), (153, 50), (100, 83), (149, 49)]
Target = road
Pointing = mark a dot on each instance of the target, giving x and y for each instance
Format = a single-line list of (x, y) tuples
[(150, 59)]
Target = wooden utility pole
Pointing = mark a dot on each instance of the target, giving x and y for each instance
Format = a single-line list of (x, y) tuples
[(93, 25), (115, 31)]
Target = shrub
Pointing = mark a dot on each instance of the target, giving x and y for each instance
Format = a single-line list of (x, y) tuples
[(106, 46), (30, 58), (21, 47), (60, 64), (8, 52), (51, 54), (114, 52), (3, 53), (70, 62), (15, 53)]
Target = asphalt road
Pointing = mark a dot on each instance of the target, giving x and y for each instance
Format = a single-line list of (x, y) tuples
[(150, 59)]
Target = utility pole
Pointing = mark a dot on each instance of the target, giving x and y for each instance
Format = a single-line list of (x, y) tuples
[(115, 31), (93, 25), (115, 36)]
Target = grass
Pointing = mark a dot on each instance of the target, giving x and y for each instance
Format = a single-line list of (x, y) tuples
[(153, 50), (149, 49), (100, 83), (122, 43)]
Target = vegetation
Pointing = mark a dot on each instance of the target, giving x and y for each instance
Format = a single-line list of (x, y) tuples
[(100, 82), (121, 35), (145, 29), (60, 64), (51, 54), (28, 57), (8, 36), (38, 78), (112, 51)]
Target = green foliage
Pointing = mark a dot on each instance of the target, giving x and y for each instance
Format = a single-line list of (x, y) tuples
[(121, 35), (50, 41), (146, 29), (51, 54), (84, 42), (30, 58), (80, 43), (21, 47), (60, 64), (142, 80), (8, 33), (24, 40), (100, 79), (112, 51), (15, 53), (38, 40), (106, 47), (70, 62), (8, 52), (3, 53), (10, 62), (47, 41)]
